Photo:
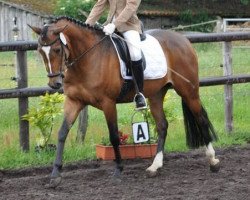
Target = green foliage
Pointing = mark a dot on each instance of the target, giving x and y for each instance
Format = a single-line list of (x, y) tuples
[(43, 116), (244, 2), (75, 8), (105, 141), (187, 17)]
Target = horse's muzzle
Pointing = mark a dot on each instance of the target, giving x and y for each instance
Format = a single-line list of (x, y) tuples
[(55, 83), (55, 86)]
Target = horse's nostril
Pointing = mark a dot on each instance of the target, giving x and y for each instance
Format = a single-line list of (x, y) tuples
[(58, 85)]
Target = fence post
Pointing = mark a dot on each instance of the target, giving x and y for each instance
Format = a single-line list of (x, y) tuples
[(228, 90), (82, 125), (22, 82)]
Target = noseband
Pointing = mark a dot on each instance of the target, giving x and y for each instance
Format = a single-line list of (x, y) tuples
[(60, 73)]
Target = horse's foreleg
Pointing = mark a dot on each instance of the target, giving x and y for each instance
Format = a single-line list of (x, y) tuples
[(71, 111), (110, 112), (156, 107)]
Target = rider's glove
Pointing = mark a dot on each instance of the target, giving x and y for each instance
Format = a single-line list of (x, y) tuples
[(109, 29)]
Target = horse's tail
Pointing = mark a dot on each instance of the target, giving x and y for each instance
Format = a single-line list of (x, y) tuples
[(199, 132)]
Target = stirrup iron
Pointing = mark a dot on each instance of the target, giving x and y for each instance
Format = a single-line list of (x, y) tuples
[(140, 105)]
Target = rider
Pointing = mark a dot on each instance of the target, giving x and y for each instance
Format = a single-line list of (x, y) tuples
[(122, 16)]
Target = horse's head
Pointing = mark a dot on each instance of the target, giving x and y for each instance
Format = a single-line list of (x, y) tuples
[(52, 45)]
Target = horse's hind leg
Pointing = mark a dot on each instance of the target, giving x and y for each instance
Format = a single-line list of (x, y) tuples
[(214, 162), (199, 129), (156, 107)]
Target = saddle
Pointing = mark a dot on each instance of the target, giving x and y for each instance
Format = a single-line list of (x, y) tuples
[(123, 51), (155, 68)]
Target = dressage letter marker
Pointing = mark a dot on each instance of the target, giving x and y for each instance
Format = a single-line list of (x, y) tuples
[(140, 132)]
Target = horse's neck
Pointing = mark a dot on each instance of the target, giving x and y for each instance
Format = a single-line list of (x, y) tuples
[(85, 45), (80, 41)]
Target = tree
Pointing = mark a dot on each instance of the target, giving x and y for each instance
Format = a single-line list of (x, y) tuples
[(78, 9)]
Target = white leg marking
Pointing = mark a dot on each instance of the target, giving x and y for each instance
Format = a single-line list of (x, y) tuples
[(210, 153), (158, 162), (46, 51)]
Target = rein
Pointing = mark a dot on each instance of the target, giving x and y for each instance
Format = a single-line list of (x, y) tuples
[(83, 53)]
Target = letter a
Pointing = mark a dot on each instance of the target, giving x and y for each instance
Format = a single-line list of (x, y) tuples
[(140, 133)]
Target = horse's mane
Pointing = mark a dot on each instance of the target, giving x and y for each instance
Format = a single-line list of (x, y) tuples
[(76, 22)]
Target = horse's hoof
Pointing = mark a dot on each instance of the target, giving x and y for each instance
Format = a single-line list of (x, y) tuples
[(117, 173), (54, 182), (151, 174), (215, 168), (116, 177)]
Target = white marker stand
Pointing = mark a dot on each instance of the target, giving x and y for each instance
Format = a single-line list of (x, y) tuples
[(140, 129)]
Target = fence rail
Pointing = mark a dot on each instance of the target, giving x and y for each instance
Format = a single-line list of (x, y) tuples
[(23, 92), (218, 37), (18, 46), (26, 92), (37, 91), (193, 37)]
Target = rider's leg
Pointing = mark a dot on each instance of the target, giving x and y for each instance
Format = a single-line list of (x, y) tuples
[(133, 41)]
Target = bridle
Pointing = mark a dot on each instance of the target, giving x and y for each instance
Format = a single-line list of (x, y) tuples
[(60, 73), (63, 54)]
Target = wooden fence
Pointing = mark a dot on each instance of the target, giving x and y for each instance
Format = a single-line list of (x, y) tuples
[(9, 12), (23, 92)]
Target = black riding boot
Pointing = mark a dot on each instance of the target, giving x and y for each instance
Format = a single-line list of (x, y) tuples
[(137, 71)]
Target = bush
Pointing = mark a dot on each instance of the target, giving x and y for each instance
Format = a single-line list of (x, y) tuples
[(43, 116)]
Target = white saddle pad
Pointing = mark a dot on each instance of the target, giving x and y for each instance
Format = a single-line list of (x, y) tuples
[(156, 64)]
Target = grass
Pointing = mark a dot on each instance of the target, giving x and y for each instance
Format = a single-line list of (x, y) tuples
[(210, 59)]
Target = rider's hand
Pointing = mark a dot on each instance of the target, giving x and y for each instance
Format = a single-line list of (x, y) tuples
[(109, 29)]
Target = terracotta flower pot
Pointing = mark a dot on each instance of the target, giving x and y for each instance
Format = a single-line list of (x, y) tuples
[(127, 151)]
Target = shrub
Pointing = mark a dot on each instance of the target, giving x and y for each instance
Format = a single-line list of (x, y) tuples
[(43, 116)]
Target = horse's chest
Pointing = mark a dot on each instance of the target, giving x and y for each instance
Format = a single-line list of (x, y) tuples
[(81, 94)]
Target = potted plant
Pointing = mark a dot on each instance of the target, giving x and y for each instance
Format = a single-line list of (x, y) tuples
[(43, 117), (128, 149)]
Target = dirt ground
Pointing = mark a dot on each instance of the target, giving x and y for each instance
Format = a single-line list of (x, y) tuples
[(183, 176)]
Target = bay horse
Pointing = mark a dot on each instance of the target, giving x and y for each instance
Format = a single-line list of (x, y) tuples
[(84, 61)]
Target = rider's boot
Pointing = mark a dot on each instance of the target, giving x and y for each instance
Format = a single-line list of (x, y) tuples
[(139, 99)]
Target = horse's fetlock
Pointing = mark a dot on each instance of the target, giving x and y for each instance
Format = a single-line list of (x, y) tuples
[(115, 141), (58, 166), (62, 138), (120, 167)]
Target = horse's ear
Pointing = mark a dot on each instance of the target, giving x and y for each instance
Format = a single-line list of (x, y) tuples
[(37, 30), (59, 29)]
